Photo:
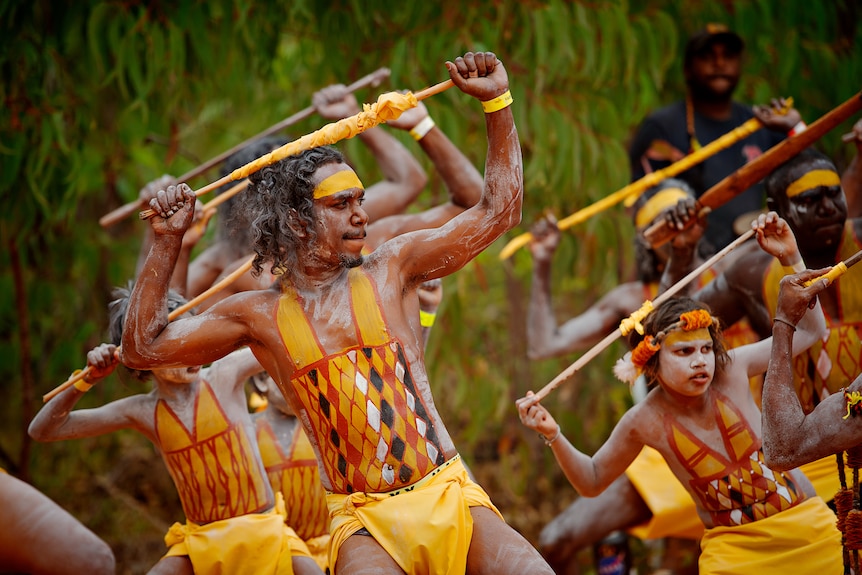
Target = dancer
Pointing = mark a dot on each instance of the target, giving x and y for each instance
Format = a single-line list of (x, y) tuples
[(198, 421), (703, 420), (340, 334)]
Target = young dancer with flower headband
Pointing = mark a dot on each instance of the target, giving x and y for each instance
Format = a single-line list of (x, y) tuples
[(703, 420)]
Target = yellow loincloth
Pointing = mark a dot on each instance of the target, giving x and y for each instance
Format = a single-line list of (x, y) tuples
[(674, 513), (823, 475), (253, 544), (427, 524), (802, 539), (318, 549)]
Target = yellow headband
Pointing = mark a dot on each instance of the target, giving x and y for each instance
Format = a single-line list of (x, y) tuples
[(813, 179), (337, 182), (679, 335), (655, 205)]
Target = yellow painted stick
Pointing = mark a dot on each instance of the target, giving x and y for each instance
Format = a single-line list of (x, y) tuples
[(389, 106), (371, 80), (637, 187), (838, 269)]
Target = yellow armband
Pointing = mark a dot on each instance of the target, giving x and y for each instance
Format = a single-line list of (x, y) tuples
[(81, 385), (422, 128), (498, 103), (426, 319)]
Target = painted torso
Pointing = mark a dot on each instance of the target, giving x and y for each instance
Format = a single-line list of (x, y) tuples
[(214, 465), (831, 365), (737, 488), (366, 420), (291, 466)]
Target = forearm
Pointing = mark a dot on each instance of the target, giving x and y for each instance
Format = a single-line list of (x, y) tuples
[(782, 414), (504, 171), (179, 279), (541, 323), (577, 467), (147, 314), (49, 422), (400, 170), (462, 179), (682, 261)]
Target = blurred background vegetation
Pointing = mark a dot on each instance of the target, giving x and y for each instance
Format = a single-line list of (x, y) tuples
[(101, 97)]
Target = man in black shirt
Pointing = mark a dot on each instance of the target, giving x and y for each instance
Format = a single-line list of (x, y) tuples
[(712, 64)]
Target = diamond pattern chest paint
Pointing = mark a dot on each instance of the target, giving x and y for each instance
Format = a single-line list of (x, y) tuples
[(372, 429), (738, 488)]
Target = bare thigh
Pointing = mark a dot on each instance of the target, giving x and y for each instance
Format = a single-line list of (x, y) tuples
[(363, 555), (40, 537), (497, 549), (305, 566), (588, 520), (180, 565)]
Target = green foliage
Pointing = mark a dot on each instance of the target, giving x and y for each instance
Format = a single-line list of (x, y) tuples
[(102, 97)]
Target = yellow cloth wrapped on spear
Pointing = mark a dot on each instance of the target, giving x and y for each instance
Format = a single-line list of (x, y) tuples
[(389, 106)]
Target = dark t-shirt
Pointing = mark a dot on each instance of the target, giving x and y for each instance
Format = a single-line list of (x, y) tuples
[(668, 124)]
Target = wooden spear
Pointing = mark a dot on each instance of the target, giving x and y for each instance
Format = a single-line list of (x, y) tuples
[(634, 189), (599, 347), (223, 283), (388, 106), (758, 168), (371, 80)]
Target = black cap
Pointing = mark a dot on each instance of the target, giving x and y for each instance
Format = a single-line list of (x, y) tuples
[(704, 38)]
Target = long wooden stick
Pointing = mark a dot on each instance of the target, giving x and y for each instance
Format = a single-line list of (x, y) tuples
[(760, 167), (328, 134), (599, 347), (637, 187), (371, 80), (223, 283)]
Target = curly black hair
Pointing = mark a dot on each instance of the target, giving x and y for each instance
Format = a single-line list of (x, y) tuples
[(119, 307), (278, 195), (232, 227), (665, 315)]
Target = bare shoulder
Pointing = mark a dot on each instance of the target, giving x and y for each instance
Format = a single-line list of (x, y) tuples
[(747, 268)]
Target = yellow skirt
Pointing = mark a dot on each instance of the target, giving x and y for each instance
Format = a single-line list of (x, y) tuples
[(426, 528), (252, 544), (802, 539)]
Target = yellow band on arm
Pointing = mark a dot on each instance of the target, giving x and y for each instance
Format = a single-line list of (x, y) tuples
[(81, 385), (422, 128), (426, 318), (498, 103)]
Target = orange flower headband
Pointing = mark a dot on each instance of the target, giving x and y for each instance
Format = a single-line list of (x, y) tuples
[(631, 365)]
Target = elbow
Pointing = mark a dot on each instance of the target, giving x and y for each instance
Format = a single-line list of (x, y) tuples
[(535, 352), (37, 431), (130, 357), (777, 459)]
